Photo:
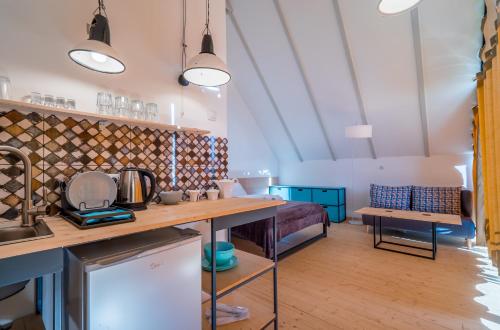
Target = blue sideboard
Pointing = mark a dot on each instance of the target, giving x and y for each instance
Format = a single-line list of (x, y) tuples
[(331, 198)]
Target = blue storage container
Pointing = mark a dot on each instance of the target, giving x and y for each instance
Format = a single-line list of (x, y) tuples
[(284, 192), (333, 199), (326, 196), (300, 194)]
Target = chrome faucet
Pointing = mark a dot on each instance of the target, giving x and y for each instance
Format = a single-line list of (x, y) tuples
[(28, 212)]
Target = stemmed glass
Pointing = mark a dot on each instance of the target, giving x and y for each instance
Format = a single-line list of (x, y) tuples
[(104, 103)]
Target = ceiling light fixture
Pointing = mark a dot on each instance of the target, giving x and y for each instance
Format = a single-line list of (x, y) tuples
[(359, 132), (206, 69), (96, 52), (394, 7)]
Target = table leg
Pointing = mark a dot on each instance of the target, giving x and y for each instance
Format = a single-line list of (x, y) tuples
[(213, 273), (275, 273), (434, 241), (374, 231), (380, 229)]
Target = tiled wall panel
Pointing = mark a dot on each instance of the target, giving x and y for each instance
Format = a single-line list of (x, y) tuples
[(60, 147)]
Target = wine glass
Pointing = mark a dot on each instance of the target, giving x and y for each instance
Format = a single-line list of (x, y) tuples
[(104, 103)]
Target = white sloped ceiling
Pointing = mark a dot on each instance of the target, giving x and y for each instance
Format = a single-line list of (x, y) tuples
[(356, 62)]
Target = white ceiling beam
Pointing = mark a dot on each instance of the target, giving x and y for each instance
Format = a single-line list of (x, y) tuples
[(352, 70), (303, 75), (229, 12), (419, 66)]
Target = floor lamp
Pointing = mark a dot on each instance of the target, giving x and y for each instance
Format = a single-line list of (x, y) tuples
[(357, 132)]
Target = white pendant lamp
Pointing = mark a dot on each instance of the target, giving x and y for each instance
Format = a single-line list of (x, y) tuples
[(206, 69), (393, 7), (96, 52), (359, 132)]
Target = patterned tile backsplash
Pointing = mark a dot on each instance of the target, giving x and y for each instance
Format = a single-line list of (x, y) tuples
[(59, 147)]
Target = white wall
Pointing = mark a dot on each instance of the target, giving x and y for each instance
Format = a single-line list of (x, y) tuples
[(37, 35), (357, 174), (249, 153)]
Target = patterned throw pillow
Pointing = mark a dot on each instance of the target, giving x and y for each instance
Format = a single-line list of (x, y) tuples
[(390, 197), (436, 199)]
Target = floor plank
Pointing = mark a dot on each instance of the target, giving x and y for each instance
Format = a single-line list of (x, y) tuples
[(341, 282)]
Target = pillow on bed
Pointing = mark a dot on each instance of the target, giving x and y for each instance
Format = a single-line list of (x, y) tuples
[(266, 197), (238, 190), (388, 197)]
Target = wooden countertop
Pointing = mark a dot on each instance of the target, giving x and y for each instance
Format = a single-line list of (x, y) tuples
[(156, 216), (411, 215)]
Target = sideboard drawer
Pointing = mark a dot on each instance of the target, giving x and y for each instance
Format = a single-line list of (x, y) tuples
[(326, 196), (284, 192), (335, 213), (300, 194)]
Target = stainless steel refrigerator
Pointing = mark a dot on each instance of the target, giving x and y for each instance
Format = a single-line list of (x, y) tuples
[(147, 281)]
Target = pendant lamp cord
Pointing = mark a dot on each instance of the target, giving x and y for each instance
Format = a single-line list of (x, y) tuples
[(101, 8), (207, 21), (184, 46)]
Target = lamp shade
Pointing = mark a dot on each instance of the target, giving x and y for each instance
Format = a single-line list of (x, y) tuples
[(206, 69), (98, 56), (359, 132), (393, 7), (96, 53)]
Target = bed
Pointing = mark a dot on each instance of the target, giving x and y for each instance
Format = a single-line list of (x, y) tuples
[(292, 218)]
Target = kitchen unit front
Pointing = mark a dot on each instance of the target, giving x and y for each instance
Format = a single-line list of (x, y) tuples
[(44, 257)]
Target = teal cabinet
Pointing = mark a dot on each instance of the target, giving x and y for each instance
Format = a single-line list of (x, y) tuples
[(326, 196), (331, 198), (284, 192), (335, 213), (300, 194)]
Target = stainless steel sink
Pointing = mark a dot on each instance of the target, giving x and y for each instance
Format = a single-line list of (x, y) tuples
[(16, 234)]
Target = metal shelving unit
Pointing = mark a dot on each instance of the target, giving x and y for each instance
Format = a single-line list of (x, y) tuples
[(251, 267)]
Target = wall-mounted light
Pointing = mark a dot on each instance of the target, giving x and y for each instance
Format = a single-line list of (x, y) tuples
[(393, 7), (359, 132), (206, 69), (96, 53)]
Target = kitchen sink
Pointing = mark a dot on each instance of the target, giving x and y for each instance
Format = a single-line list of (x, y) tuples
[(10, 234)]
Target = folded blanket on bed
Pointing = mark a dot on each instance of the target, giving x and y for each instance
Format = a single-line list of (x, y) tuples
[(292, 217)]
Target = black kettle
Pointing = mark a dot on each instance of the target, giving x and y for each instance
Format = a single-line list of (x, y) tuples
[(133, 190)]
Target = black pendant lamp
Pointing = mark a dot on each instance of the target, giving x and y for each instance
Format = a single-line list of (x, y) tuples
[(206, 69), (96, 53)]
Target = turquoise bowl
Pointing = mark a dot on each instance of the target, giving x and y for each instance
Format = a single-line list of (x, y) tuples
[(224, 251)]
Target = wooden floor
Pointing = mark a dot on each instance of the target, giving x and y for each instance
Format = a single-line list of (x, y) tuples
[(341, 282)]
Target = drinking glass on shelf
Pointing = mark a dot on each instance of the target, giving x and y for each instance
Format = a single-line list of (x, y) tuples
[(4, 88), (152, 112), (70, 104), (36, 98), (49, 100), (121, 106), (137, 109), (104, 103), (60, 102)]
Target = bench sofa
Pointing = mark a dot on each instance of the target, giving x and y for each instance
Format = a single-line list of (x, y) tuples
[(467, 230)]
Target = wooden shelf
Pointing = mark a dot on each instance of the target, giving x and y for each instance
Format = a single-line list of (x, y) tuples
[(249, 267), (261, 312), (28, 107)]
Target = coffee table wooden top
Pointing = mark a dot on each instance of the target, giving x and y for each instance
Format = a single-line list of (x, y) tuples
[(411, 215)]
